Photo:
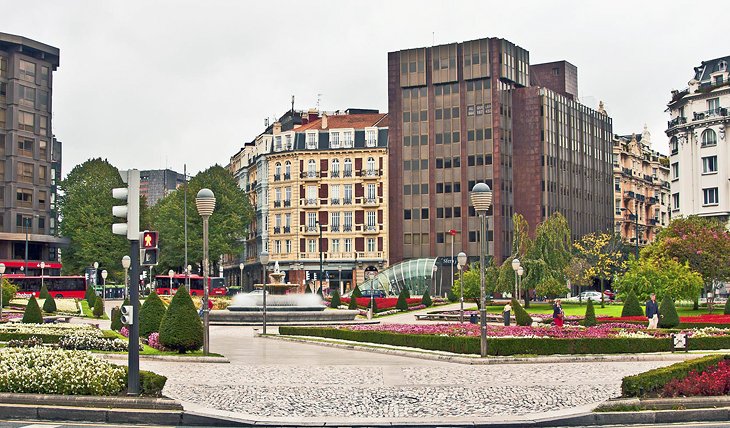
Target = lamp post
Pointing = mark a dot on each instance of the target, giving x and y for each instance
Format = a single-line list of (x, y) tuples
[(240, 277), (42, 265), (170, 273), (636, 222), (515, 266), (205, 203), (481, 199), (96, 276), (26, 223), (520, 271), (433, 277), (321, 256), (104, 274), (2, 272), (371, 275), (264, 257), (461, 259), (126, 263), (189, 272)]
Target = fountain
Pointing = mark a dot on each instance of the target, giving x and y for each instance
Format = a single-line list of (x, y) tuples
[(284, 305)]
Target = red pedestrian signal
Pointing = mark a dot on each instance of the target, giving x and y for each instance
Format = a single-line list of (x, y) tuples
[(148, 240)]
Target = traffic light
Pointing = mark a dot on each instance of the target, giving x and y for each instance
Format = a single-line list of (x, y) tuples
[(148, 248), (127, 313), (130, 212)]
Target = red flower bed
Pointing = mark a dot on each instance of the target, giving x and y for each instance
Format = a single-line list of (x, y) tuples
[(704, 319), (383, 303), (713, 381)]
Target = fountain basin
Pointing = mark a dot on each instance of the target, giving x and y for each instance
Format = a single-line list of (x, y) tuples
[(291, 316)]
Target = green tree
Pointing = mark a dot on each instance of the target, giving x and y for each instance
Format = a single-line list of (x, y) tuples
[(90, 296), (521, 246), (85, 205), (727, 307), (663, 276), (32, 314), (426, 299), (49, 305), (98, 307), (8, 291), (521, 316), (356, 292), (702, 242), (116, 319), (471, 280), (151, 314), (181, 328), (590, 317), (552, 287), (227, 226), (632, 307), (353, 302), (604, 253), (577, 273), (402, 303), (335, 302), (44, 294), (668, 317)]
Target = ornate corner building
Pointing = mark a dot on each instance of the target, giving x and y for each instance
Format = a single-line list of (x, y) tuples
[(319, 188), (30, 157), (700, 154), (641, 188)]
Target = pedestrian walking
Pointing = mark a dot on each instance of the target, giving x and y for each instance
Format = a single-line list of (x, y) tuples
[(652, 311), (558, 314), (506, 313)]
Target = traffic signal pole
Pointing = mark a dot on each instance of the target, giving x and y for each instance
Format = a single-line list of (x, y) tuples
[(133, 351)]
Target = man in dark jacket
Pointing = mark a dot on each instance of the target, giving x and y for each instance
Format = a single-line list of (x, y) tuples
[(652, 311)]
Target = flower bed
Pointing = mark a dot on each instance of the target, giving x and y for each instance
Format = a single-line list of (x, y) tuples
[(714, 380), (693, 321), (49, 333), (655, 380), (83, 342), (383, 303)]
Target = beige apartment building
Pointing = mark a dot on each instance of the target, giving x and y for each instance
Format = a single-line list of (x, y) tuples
[(317, 184), (641, 188)]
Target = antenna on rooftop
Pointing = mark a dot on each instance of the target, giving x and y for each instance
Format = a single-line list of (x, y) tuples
[(292, 103), (319, 98), (266, 122)]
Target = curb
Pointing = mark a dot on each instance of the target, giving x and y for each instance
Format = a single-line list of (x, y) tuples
[(91, 401), (454, 358), (171, 358)]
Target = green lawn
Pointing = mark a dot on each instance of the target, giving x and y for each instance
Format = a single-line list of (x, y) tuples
[(88, 312), (576, 309)]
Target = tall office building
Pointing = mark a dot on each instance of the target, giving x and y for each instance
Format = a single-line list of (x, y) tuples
[(155, 184), (30, 156), (699, 159), (477, 111)]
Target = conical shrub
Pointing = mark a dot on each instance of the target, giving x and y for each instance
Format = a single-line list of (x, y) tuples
[(116, 319), (356, 292), (98, 311), (353, 303), (181, 328), (44, 294), (402, 303), (426, 299), (590, 317), (90, 296), (307, 290), (151, 314), (632, 307), (32, 314), (668, 317), (407, 292), (335, 302), (451, 296), (727, 307), (49, 305), (521, 316)]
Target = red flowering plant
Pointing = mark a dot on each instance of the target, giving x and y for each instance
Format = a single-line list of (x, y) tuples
[(713, 381), (383, 303)]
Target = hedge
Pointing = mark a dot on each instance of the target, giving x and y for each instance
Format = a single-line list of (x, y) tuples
[(150, 384), (509, 346), (652, 381)]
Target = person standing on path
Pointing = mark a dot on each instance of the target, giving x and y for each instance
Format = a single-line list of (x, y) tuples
[(506, 313), (652, 311), (558, 313)]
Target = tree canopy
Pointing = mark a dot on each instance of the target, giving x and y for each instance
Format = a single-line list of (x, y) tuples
[(663, 276)]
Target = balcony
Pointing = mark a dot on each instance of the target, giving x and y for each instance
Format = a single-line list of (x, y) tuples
[(370, 229), (335, 173), (648, 178), (277, 204), (309, 175), (653, 222), (347, 173), (287, 229), (370, 174), (652, 201), (370, 202), (369, 255), (627, 171), (277, 229), (347, 228), (630, 217), (710, 114), (640, 197), (334, 228), (676, 122), (310, 230), (277, 177), (310, 203), (287, 176), (335, 201), (629, 194), (347, 201), (287, 202)]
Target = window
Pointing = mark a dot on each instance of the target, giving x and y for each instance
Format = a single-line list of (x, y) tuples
[(25, 172), (277, 171), (348, 245), (675, 170), (675, 201), (277, 247), (709, 164), (42, 199), (311, 221), (347, 224), (311, 193), (371, 245), (288, 145), (277, 197), (348, 194), (26, 121), (709, 138), (26, 96), (348, 168), (347, 139), (25, 148), (287, 194), (44, 75), (288, 245), (335, 170), (24, 198), (371, 165), (287, 170), (312, 140), (371, 137), (2, 118), (674, 145), (556, 71), (312, 168), (335, 193), (287, 220), (371, 219), (617, 184), (277, 220), (710, 196), (43, 124), (617, 204), (334, 140), (312, 246), (335, 221), (371, 192), (3, 67), (335, 245), (713, 106), (27, 71)]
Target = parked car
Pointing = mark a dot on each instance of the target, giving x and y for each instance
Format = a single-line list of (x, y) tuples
[(587, 295), (610, 295), (376, 293)]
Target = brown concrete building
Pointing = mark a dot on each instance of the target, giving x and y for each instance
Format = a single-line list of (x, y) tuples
[(641, 187), (477, 111), (30, 156), (319, 184)]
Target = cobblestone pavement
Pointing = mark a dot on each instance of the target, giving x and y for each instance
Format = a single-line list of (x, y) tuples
[(276, 380)]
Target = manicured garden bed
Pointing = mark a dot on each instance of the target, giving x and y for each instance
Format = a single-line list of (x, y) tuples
[(382, 303), (655, 381), (689, 321)]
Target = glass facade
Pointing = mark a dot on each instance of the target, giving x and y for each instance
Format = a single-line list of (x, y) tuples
[(416, 275)]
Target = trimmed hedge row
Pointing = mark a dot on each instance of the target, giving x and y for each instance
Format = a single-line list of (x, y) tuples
[(509, 346), (150, 384), (654, 380)]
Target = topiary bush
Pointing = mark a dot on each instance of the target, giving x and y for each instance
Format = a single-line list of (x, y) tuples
[(181, 328), (151, 314), (727, 307), (98, 308), (521, 315), (632, 307), (356, 293), (44, 294), (451, 296), (402, 304), (426, 299), (32, 314), (307, 290), (90, 296), (335, 302), (352, 304), (590, 318), (8, 291), (407, 292), (116, 319), (668, 317), (49, 306)]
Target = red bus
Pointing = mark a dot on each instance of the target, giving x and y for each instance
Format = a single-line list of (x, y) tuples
[(216, 286), (59, 286)]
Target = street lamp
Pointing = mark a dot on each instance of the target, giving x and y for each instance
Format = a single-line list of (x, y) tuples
[(188, 272), (636, 222), (264, 257), (520, 271), (170, 273), (481, 199), (515, 266), (126, 263), (205, 203), (42, 265), (435, 269), (104, 274), (321, 255), (240, 277), (96, 270), (461, 259), (2, 272), (371, 275)]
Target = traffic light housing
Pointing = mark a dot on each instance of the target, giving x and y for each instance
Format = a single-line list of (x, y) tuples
[(149, 252), (130, 211), (148, 239), (127, 314)]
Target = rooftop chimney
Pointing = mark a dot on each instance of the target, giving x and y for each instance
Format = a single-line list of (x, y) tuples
[(277, 127), (324, 120)]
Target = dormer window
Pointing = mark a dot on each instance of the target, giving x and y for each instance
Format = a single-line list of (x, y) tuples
[(371, 137), (277, 143), (312, 140), (347, 139), (288, 145), (334, 140), (722, 66)]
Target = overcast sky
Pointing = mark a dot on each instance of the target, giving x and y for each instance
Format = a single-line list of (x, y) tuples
[(155, 84)]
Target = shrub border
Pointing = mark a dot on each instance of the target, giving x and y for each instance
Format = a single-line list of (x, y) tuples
[(652, 381), (502, 346)]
